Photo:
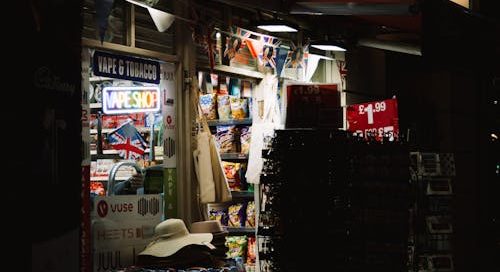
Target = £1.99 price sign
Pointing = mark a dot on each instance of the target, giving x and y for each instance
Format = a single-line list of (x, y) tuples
[(376, 119)]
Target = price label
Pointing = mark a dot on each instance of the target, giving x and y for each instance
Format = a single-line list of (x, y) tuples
[(376, 119)]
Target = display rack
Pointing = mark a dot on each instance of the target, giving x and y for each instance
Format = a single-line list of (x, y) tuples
[(242, 195), (326, 189), (432, 228)]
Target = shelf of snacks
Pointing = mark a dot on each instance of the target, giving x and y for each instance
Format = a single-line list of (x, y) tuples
[(228, 122)]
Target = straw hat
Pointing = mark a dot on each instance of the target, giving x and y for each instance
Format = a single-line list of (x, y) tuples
[(171, 235)]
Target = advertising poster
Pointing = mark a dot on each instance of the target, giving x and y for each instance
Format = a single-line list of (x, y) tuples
[(169, 138), (122, 226), (375, 119), (313, 105)]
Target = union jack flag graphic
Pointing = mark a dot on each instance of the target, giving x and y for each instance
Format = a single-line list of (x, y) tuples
[(267, 56), (128, 141), (341, 64), (249, 39)]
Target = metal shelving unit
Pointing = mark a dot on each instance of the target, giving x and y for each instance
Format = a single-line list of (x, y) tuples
[(229, 122), (242, 194), (233, 156)]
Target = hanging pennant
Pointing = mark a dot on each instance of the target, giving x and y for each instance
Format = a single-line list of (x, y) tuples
[(103, 9), (281, 55), (296, 62), (267, 57), (341, 64)]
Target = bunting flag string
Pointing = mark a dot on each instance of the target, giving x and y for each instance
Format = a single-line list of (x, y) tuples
[(103, 10)]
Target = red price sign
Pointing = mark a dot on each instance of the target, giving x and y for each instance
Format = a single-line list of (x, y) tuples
[(377, 118)]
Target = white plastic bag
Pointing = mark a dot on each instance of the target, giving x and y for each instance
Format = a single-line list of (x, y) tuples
[(263, 128)]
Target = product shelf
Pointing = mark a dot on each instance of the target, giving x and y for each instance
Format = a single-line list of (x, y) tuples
[(235, 230), (109, 130), (242, 194), (229, 122), (233, 156)]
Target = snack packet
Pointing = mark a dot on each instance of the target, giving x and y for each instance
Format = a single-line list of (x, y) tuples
[(245, 134), (235, 213), (225, 138), (207, 104), (251, 252), (232, 172), (250, 218), (237, 246), (223, 107), (239, 107)]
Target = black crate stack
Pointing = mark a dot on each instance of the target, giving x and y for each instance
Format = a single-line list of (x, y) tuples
[(333, 202)]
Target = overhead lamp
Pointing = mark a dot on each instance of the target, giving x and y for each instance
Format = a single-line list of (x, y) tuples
[(328, 45), (277, 26)]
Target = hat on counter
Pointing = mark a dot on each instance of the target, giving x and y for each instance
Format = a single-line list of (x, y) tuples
[(171, 235), (210, 226)]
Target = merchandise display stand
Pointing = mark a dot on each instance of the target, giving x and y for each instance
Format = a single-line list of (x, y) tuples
[(432, 230), (226, 102), (327, 189)]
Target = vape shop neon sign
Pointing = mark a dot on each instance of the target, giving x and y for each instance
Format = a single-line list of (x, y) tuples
[(119, 100)]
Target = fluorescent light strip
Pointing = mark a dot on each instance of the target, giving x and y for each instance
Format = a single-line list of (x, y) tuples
[(322, 57), (328, 47), (277, 28), (139, 3)]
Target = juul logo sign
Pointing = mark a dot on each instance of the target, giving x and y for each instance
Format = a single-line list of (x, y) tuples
[(151, 206)]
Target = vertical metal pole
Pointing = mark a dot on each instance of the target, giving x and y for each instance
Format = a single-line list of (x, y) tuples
[(99, 133), (151, 137)]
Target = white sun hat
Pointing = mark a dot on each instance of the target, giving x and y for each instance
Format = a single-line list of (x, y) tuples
[(171, 235)]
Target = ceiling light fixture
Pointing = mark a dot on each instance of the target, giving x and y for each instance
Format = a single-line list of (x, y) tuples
[(276, 25), (328, 45)]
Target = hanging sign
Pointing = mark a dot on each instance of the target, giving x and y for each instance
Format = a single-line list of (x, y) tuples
[(124, 67), (313, 105), (119, 100), (376, 119)]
